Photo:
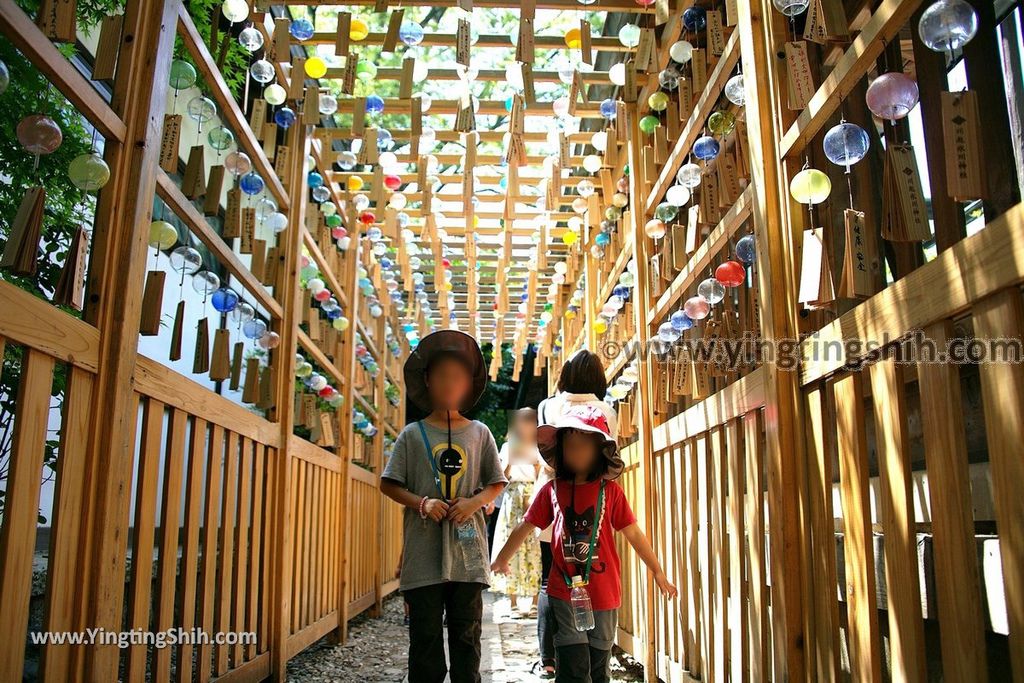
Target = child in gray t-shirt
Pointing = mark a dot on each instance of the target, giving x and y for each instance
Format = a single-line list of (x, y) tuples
[(444, 470)]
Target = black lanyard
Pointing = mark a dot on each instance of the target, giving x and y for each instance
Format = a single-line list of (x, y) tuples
[(430, 457), (593, 532)]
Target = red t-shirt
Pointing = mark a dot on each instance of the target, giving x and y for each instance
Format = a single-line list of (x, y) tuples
[(573, 517)]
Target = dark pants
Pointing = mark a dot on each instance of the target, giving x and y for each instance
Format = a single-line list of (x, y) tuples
[(462, 604), (545, 617), (583, 664)]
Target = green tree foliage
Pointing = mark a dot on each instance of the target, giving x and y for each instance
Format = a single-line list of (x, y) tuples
[(492, 408)]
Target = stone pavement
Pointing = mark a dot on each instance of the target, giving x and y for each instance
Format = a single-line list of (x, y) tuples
[(377, 649)]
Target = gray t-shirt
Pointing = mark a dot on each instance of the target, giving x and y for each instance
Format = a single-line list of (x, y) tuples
[(433, 553)]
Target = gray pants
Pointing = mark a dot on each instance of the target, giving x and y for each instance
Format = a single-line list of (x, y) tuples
[(583, 656)]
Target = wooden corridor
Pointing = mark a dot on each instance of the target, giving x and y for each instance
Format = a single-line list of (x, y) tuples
[(824, 520)]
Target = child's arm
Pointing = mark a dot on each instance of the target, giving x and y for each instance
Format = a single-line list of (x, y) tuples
[(462, 509), (434, 508), (515, 539), (638, 539)]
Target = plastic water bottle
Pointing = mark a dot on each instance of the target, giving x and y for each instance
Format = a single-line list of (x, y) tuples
[(582, 611), (472, 555)]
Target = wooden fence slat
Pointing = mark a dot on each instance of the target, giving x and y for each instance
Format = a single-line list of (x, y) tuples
[(227, 542), (167, 539), (270, 545), (189, 564), (739, 663), (259, 520), (143, 533), (704, 555), (949, 488), (211, 520), (759, 637), (242, 547), (906, 630), (62, 576), (21, 505), (824, 649), (858, 545), (1002, 384), (719, 563), (694, 659)]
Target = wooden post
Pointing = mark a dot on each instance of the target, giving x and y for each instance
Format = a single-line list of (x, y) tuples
[(778, 304), (645, 386), (284, 410), (114, 308)]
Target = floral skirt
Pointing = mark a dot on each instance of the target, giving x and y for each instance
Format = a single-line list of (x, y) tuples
[(524, 579)]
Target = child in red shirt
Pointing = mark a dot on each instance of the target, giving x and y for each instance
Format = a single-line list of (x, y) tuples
[(587, 507)]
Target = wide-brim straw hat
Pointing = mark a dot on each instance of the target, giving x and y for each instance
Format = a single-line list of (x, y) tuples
[(584, 418), (444, 341)]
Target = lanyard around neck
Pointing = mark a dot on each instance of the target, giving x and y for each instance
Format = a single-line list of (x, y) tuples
[(430, 457), (598, 513)]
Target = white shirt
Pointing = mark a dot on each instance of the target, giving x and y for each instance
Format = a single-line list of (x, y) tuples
[(551, 408), (521, 466)]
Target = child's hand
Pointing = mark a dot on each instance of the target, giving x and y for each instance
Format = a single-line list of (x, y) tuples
[(500, 566), (462, 509), (665, 585), (489, 508), (436, 509)]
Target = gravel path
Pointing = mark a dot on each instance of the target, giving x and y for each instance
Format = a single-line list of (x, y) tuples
[(377, 648)]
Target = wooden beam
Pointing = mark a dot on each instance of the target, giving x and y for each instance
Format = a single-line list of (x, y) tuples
[(118, 261), (25, 36), (227, 106)]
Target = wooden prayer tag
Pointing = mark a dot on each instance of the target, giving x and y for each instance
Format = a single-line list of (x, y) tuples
[(358, 115), (462, 43), (220, 366), (214, 189), (660, 145), (391, 35), (728, 181), (281, 162), (57, 19), (645, 51), (266, 398), (236, 365), (70, 288), (251, 386), (699, 70), (731, 12), (193, 184), (679, 252), (855, 282), (661, 12), (23, 243), (107, 47), (798, 75), (259, 258), (248, 230), (529, 94), (326, 430), (716, 34), (270, 267), (904, 212), (629, 88), (405, 82), (685, 99), (586, 43), (524, 45), (270, 140), (152, 303), (341, 37), (280, 40), (348, 80), (233, 215), (201, 357), (692, 220), (169, 144), (297, 83), (962, 137), (682, 377), (574, 91), (311, 106), (177, 330)]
